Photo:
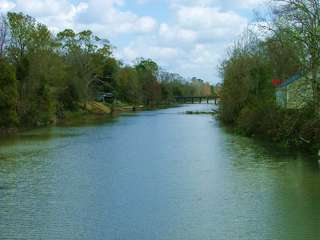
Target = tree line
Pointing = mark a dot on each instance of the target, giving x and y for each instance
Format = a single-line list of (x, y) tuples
[(287, 43), (43, 74)]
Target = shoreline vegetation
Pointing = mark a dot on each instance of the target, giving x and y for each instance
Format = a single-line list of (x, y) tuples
[(271, 82), (92, 112), (47, 78)]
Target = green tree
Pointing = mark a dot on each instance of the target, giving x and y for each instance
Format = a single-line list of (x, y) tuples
[(246, 78), (111, 67), (283, 55), (22, 28), (148, 71), (85, 55), (128, 86), (8, 96)]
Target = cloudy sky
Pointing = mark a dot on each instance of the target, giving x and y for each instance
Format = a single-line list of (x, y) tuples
[(184, 36)]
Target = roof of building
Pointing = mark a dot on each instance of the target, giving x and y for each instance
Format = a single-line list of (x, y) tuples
[(290, 80)]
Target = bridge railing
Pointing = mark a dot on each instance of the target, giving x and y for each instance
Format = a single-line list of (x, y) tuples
[(196, 99)]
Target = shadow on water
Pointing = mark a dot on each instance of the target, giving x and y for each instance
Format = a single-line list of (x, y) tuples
[(3, 188), (266, 150), (65, 129)]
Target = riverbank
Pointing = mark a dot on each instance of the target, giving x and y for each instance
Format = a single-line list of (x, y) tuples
[(90, 112), (291, 129)]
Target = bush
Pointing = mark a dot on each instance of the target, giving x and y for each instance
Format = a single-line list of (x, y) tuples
[(310, 133), (294, 128), (248, 120)]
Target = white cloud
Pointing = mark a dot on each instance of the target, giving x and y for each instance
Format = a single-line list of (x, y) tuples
[(210, 23), (142, 1), (235, 4), (201, 3), (156, 52), (208, 17), (45, 7), (101, 15), (175, 34), (249, 3), (114, 21), (56, 14), (6, 5), (146, 24), (201, 25)]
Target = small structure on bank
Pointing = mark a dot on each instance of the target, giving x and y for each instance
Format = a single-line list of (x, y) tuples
[(293, 93), (105, 97)]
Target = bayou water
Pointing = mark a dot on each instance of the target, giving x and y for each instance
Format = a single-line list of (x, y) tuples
[(158, 175)]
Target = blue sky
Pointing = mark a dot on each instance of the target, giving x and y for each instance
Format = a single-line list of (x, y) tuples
[(188, 37)]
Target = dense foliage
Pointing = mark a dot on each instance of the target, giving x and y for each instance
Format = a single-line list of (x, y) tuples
[(248, 97), (8, 96), (42, 74)]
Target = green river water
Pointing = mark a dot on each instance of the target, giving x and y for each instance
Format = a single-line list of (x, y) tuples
[(159, 175)]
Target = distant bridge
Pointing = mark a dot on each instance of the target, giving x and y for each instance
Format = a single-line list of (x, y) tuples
[(196, 99)]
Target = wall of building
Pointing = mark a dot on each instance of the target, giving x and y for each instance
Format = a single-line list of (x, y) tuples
[(295, 95)]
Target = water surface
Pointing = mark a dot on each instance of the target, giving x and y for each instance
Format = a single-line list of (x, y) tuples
[(160, 175)]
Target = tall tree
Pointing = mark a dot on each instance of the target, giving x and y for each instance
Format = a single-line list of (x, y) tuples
[(148, 71), (111, 68), (246, 78), (22, 28), (128, 86), (85, 54), (301, 19)]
